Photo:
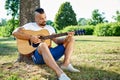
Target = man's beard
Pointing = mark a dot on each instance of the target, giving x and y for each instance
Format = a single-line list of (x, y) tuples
[(43, 24)]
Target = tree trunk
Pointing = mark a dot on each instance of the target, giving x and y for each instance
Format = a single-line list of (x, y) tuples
[(27, 8)]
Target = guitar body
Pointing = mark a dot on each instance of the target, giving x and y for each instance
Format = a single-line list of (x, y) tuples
[(24, 46)]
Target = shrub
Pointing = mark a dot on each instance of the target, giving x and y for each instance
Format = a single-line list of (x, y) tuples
[(68, 28), (1, 31), (88, 29), (102, 30), (7, 30), (115, 27), (108, 29)]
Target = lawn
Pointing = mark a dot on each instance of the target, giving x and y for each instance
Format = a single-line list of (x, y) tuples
[(98, 58)]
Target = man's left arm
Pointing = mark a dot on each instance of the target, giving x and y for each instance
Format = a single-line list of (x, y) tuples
[(62, 40)]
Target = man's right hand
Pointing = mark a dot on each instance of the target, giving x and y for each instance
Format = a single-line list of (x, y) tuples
[(35, 39)]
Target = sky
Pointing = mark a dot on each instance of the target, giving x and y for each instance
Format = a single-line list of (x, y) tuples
[(82, 8)]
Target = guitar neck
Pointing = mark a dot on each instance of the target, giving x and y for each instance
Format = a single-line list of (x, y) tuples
[(78, 32), (52, 36)]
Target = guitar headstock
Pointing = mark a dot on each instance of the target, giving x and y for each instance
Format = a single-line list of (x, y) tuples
[(79, 32)]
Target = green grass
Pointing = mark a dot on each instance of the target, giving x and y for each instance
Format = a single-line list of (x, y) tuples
[(98, 58)]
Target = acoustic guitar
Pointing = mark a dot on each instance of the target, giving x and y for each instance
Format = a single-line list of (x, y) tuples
[(26, 47)]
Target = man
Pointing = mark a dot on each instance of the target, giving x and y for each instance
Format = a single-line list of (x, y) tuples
[(43, 53)]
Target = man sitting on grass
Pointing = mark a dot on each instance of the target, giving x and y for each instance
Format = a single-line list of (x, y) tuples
[(48, 55)]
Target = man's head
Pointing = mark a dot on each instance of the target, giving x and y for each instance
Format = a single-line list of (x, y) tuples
[(40, 17)]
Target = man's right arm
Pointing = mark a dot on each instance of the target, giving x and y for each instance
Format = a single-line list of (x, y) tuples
[(18, 33)]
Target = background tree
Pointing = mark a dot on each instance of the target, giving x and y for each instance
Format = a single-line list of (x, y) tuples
[(3, 22), (20, 9), (117, 17), (12, 7), (49, 22), (97, 18), (65, 16), (7, 30), (82, 22)]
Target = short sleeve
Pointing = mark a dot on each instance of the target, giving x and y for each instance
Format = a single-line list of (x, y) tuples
[(50, 29)]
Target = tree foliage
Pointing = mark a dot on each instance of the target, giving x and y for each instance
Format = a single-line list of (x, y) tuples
[(49, 22), (82, 22), (8, 28), (117, 17), (107, 29), (97, 18), (12, 7), (65, 16)]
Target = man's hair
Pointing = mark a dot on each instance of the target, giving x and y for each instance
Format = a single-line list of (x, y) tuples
[(39, 10)]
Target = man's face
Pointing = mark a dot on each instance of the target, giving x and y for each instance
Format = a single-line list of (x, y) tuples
[(40, 19)]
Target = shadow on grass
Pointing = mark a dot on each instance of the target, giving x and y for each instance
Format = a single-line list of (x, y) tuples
[(7, 39), (29, 70), (91, 73), (7, 48), (87, 73)]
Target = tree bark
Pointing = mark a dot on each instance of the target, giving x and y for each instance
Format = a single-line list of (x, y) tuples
[(27, 8)]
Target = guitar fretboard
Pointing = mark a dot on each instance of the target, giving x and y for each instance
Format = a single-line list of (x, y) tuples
[(52, 36), (78, 32)]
